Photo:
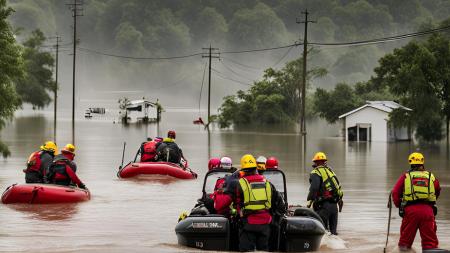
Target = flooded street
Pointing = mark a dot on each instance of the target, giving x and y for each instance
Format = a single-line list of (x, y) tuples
[(140, 215)]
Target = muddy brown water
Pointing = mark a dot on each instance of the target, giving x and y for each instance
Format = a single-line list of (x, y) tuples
[(140, 215)]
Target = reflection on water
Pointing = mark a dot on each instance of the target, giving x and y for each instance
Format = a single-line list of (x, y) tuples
[(139, 215), (50, 212)]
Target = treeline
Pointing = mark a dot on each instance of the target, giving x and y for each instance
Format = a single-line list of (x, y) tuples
[(25, 71), (415, 75), (173, 27)]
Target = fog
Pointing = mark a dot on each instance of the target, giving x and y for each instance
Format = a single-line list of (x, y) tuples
[(101, 80)]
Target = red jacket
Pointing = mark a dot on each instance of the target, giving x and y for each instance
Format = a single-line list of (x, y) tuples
[(397, 192), (222, 201)]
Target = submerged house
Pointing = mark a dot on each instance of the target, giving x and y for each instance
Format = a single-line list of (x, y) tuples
[(143, 110), (370, 122)]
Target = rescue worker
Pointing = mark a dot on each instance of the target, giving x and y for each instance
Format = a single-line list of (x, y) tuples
[(272, 163), (325, 192), (148, 151), (415, 193), (226, 163), (38, 163), (253, 197), (261, 163), (62, 170), (213, 163), (168, 150)]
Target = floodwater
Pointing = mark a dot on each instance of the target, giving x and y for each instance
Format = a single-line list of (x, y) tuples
[(140, 215)]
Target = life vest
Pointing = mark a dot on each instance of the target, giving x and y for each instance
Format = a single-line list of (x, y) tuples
[(331, 189), (419, 186), (34, 163), (58, 169), (148, 151), (168, 151), (257, 194)]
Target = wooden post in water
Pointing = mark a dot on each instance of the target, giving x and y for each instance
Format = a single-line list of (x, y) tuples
[(303, 84)]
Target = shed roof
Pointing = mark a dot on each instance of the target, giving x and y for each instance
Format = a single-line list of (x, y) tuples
[(385, 106)]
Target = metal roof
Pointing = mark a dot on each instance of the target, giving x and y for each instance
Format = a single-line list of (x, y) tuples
[(385, 106)]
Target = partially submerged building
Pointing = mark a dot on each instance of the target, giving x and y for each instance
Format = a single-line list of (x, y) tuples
[(143, 110), (370, 122)]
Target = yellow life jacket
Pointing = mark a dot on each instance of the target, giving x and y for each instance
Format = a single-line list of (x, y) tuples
[(331, 189), (419, 186), (257, 195)]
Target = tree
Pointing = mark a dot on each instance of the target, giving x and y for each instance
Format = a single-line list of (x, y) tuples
[(256, 28), (10, 69), (275, 99), (38, 79), (418, 74), (331, 104), (210, 26)]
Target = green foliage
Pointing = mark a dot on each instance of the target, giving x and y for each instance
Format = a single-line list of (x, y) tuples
[(275, 99), (38, 78), (256, 28), (418, 74), (331, 104), (210, 26), (10, 69)]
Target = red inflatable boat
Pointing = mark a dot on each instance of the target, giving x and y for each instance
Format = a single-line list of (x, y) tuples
[(43, 194), (155, 168)]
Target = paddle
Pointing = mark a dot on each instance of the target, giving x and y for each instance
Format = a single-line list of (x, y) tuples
[(389, 205), (123, 154)]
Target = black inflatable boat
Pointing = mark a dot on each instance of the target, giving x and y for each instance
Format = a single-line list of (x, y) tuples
[(299, 230)]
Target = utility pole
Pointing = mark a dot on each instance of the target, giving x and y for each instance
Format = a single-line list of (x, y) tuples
[(77, 10), (303, 84), (211, 53), (55, 99)]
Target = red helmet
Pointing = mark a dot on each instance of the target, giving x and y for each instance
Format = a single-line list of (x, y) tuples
[(171, 134), (272, 163), (214, 163)]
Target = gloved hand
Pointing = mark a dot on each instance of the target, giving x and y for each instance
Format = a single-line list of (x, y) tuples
[(340, 204), (82, 186)]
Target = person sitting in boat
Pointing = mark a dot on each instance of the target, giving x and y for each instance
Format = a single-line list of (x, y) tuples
[(38, 163), (213, 163), (63, 169), (148, 151), (261, 163), (272, 163), (226, 163), (254, 198), (168, 150)]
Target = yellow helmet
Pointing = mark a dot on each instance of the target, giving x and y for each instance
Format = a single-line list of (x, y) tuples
[(49, 146), (247, 162), (416, 158), (70, 148), (319, 156)]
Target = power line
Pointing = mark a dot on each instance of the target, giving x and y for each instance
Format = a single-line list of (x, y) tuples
[(261, 49), (243, 65), (219, 74), (352, 43), (234, 72), (382, 40), (138, 58), (287, 52)]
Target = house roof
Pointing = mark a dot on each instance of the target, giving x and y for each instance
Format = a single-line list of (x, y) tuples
[(385, 106), (133, 104)]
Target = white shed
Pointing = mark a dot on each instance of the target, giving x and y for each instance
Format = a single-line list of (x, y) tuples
[(370, 122), (142, 110)]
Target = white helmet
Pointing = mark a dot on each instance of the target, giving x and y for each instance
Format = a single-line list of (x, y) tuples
[(261, 159), (225, 162)]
